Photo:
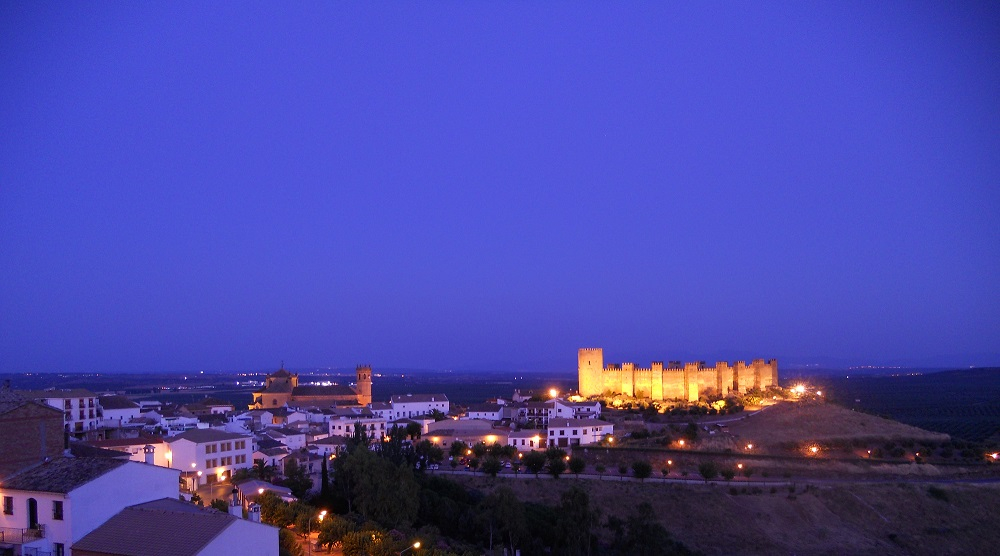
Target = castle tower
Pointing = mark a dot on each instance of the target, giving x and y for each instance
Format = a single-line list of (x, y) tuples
[(590, 366), (364, 384)]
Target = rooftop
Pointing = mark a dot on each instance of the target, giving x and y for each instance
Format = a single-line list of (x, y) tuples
[(332, 390), (563, 423), (419, 398), (151, 529), (205, 435), (46, 394), (117, 402), (61, 475)]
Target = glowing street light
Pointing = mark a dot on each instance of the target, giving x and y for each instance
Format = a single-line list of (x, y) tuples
[(553, 392), (814, 449), (749, 447), (412, 546), (680, 442)]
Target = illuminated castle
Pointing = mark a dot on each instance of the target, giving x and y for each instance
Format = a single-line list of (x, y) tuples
[(685, 381)]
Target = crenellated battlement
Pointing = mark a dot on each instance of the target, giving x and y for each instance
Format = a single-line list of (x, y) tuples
[(676, 380)]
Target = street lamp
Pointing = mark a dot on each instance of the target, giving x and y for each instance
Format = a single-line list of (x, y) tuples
[(322, 514), (412, 546)]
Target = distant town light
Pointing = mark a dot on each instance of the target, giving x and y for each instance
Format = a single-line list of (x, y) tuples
[(800, 389), (814, 449), (680, 442), (819, 392), (739, 466), (749, 446), (553, 392), (670, 462)]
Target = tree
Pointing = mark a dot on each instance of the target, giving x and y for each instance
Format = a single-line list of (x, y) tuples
[(505, 515), (262, 470), (458, 449), (296, 479), (600, 470), (273, 510), (708, 470), (332, 529), (642, 469), (324, 481), (287, 545), (747, 471), (534, 462), (428, 452), (641, 535), (691, 432), (554, 453), (575, 523), (492, 466), (577, 465), (479, 449), (220, 505), (413, 430), (474, 464), (383, 492), (305, 521), (557, 467), (622, 470), (727, 474)]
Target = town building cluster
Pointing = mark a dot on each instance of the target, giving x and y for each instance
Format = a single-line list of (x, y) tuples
[(78, 470)]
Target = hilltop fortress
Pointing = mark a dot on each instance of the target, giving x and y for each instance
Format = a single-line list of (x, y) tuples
[(685, 381)]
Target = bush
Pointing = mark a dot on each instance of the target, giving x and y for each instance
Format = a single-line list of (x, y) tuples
[(937, 493)]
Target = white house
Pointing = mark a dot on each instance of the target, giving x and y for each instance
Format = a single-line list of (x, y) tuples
[(343, 425), (170, 527), (487, 411), (56, 503), (214, 453), (81, 412), (329, 446), (117, 411), (413, 405), (577, 432), (527, 439), (382, 409), (291, 438), (562, 409)]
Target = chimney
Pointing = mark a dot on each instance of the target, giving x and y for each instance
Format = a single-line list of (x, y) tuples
[(253, 513), (235, 508), (148, 451)]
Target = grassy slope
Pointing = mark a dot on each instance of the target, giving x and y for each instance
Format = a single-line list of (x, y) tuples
[(881, 519)]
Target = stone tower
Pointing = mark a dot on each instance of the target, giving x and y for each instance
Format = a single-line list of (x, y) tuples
[(591, 368), (364, 384)]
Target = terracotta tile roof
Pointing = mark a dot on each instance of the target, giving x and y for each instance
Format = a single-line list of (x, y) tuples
[(164, 527), (117, 402), (61, 475)]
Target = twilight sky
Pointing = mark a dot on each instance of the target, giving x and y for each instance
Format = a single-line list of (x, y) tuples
[(484, 185)]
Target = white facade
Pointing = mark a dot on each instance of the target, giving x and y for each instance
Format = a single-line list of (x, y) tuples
[(81, 412), (413, 405), (562, 409), (577, 432), (88, 505), (528, 439), (375, 427), (215, 453), (118, 418)]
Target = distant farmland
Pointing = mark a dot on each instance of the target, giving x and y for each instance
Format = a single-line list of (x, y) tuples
[(963, 403)]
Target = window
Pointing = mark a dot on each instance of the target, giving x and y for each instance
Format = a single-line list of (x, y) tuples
[(211, 448), (60, 549), (8, 505), (241, 444), (57, 509)]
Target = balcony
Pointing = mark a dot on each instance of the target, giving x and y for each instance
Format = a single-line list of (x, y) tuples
[(20, 536)]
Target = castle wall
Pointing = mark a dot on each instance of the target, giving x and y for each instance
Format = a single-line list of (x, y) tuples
[(687, 382), (674, 386), (644, 383)]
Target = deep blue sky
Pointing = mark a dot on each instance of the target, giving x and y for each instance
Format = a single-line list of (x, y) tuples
[(472, 184)]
